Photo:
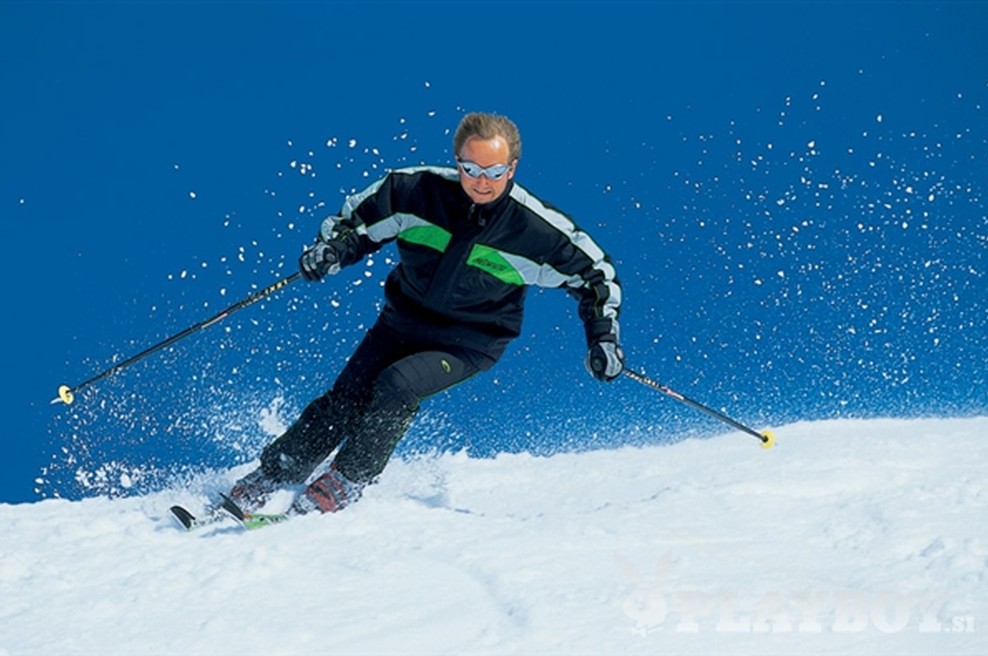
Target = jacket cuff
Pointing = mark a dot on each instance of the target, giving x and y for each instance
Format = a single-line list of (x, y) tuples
[(602, 330)]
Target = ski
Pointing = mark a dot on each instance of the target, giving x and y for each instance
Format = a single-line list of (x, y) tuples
[(251, 521), (226, 510), (191, 523)]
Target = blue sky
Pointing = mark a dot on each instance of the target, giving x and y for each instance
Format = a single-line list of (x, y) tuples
[(794, 193)]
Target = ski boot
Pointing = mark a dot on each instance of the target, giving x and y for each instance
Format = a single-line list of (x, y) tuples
[(252, 491), (329, 493)]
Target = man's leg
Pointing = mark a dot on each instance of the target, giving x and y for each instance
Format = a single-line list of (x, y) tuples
[(324, 423), (396, 396), (291, 458)]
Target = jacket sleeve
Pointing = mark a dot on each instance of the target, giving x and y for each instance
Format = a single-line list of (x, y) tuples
[(597, 291), (570, 258), (362, 226)]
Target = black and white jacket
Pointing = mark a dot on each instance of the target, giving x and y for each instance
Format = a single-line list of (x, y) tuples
[(464, 268)]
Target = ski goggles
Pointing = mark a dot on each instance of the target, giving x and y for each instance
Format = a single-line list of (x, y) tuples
[(493, 172)]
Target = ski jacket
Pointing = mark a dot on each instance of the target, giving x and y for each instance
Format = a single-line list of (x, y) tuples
[(464, 267)]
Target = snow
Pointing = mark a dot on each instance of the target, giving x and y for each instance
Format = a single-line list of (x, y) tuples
[(848, 537)]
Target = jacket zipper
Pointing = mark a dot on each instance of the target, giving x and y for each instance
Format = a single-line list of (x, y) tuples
[(451, 263)]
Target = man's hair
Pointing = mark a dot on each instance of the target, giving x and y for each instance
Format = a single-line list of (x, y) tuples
[(487, 126)]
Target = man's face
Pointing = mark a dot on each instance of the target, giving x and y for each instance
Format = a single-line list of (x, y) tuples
[(485, 153)]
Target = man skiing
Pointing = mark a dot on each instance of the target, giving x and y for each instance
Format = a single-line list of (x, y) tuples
[(470, 241)]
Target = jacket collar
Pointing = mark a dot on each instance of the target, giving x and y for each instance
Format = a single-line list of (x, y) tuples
[(483, 213)]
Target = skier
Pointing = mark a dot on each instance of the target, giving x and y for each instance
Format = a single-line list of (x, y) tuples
[(470, 241)]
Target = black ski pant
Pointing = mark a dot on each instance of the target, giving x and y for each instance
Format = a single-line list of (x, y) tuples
[(370, 407)]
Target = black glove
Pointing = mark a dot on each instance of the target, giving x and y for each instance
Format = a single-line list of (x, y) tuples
[(319, 260), (605, 360)]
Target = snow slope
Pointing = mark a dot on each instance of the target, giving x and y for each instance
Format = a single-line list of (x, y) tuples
[(849, 537)]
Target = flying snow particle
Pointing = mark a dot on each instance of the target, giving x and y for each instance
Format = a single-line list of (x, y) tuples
[(879, 118), (192, 194)]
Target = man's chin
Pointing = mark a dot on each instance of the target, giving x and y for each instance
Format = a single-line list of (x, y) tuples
[(483, 199)]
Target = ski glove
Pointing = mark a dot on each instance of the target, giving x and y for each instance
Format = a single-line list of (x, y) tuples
[(319, 260), (605, 360)]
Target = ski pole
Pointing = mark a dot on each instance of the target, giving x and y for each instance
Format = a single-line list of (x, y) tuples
[(767, 438), (66, 394)]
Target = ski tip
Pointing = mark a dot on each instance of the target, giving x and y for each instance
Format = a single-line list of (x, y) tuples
[(183, 516), (231, 507), (250, 520), (768, 439)]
